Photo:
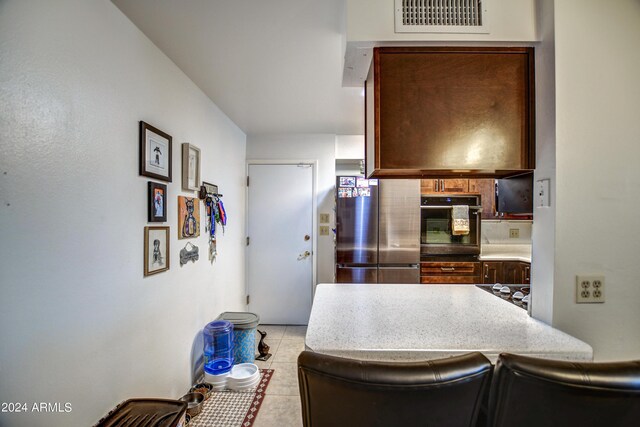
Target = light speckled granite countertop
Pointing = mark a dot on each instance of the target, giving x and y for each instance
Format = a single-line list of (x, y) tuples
[(410, 322), (505, 252)]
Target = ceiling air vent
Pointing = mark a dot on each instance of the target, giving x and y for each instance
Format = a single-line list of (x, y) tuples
[(441, 16)]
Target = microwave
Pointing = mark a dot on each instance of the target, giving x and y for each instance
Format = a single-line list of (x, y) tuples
[(436, 235)]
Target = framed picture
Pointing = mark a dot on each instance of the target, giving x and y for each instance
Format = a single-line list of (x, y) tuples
[(156, 250), (157, 202), (155, 153), (190, 167), (188, 217)]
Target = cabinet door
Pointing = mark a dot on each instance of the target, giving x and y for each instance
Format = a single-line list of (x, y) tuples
[(486, 188), (526, 273), (454, 185), (444, 185), (512, 272), (421, 118), (492, 272), (450, 272), (428, 186)]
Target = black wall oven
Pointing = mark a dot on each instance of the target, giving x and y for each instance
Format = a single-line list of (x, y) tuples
[(436, 236)]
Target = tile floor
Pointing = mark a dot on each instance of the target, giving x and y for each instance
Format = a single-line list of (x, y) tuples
[(281, 406)]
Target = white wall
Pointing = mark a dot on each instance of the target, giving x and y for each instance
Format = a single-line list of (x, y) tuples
[(79, 322), (597, 152), (373, 20), (496, 231), (320, 147), (349, 147), (544, 227)]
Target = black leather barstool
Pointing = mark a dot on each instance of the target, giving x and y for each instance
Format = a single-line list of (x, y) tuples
[(344, 392), (535, 392)]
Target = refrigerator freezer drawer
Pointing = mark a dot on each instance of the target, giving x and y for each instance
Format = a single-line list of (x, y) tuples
[(357, 274), (399, 274)]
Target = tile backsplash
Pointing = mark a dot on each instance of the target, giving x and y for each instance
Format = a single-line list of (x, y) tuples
[(497, 231)]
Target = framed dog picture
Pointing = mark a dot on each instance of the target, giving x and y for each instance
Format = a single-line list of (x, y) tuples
[(157, 202), (155, 153), (156, 250)]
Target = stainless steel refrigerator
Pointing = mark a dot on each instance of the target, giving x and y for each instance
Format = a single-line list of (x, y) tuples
[(377, 230)]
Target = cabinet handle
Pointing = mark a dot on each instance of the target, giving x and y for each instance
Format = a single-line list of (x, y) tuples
[(435, 185), (442, 185), (448, 268)]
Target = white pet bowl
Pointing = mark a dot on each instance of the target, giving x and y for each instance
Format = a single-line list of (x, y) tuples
[(244, 370), (245, 386), (216, 380)]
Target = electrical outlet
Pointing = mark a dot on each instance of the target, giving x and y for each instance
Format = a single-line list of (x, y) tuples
[(514, 233), (589, 289), (324, 230)]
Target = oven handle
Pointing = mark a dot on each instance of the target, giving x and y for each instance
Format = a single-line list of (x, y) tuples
[(448, 207)]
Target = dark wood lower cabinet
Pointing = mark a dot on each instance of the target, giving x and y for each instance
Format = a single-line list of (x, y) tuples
[(526, 270), (512, 272), (440, 272), (492, 272), (507, 272), (469, 272)]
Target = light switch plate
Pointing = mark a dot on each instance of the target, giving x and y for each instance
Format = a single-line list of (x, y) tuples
[(324, 230), (324, 218), (542, 193)]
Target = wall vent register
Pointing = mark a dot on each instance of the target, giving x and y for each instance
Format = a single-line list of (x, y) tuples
[(441, 16)]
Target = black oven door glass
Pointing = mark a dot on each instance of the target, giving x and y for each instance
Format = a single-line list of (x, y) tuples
[(436, 229), (436, 222)]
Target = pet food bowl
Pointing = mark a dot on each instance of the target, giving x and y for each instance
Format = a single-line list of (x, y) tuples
[(194, 401)]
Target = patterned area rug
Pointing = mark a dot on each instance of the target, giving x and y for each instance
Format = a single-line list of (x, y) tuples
[(233, 408)]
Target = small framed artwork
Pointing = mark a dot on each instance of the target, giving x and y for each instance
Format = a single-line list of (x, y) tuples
[(157, 202), (156, 250), (190, 167), (155, 153), (188, 217)]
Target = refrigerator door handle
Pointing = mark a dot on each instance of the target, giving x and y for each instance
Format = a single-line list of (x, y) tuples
[(398, 267), (364, 267), (447, 207)]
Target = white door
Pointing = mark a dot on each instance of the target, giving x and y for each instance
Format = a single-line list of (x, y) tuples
[(279, 256)]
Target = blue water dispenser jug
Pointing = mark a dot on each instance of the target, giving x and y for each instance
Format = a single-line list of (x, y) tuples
[(218, 347)]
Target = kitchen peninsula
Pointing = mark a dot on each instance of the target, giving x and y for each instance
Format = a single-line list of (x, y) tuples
[(410, 322)]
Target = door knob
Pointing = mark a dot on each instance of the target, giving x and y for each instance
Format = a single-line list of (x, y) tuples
[(306, 237), (304, 255)]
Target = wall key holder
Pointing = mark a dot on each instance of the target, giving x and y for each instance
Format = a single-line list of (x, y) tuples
[(215, 214), (208, 190)]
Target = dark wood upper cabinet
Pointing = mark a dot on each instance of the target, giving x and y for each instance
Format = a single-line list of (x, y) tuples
[(450, 111), (446, 185), (487, 191)]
